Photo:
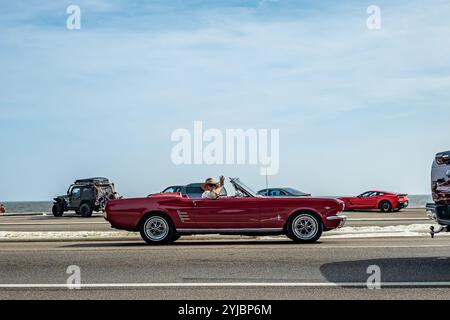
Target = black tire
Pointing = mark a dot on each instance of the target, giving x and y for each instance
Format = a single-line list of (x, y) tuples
[(157, 229), (85, 210), (385, 206), (57, 210), (296, 234)]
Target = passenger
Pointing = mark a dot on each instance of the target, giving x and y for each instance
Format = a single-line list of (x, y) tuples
[(2, 209), (212, 188)]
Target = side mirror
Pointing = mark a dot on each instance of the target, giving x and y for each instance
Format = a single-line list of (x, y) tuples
[(448, 173)]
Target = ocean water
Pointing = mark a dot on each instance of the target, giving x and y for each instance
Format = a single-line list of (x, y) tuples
[(419, 200), (28, 206), (416, 201)]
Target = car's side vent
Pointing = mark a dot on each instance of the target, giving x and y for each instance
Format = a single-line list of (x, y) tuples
[(184, 216)]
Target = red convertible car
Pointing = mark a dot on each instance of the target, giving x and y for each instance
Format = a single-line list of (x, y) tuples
[(164, 217), (377, 200)]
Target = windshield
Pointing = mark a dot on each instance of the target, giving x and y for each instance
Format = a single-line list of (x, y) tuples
[(241, 188), (296, 192)]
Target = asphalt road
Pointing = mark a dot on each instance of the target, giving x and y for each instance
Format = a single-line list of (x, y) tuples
[(419, 268), (72, 222), (411, 268)]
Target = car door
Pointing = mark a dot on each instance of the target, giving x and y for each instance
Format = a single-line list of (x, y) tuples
[(75, 197), (226, 213), (374, 199), (362, 201), (272, 210)]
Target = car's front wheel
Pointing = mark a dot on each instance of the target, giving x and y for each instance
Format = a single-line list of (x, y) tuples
[(385, 206), (304, 227), (157, 229)]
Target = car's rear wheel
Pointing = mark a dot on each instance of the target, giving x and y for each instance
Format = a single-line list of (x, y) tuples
[(304, 227), (385, 206), (157, 229), (85, 210), (57, 210)]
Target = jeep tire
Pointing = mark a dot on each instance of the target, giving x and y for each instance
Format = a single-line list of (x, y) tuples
[(85, 210), (57, 210)]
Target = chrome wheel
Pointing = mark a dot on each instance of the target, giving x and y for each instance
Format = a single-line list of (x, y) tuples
[(156, 228), (305, 227)]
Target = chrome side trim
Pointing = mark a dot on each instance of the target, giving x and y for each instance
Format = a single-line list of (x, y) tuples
[(230, 230)]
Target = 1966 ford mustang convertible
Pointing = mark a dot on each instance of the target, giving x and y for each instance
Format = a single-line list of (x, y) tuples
[(163, 218)]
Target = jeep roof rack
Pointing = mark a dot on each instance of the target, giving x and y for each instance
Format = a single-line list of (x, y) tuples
[(95, 180)]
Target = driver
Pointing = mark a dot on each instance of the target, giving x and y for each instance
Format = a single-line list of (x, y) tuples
[(212, 188)]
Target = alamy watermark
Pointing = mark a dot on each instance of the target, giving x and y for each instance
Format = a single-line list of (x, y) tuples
[(234, 146), (373, 22), (73, 21), (74, 279), (374, 280)]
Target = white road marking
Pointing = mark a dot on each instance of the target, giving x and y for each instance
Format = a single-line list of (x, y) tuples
[(221, 284)]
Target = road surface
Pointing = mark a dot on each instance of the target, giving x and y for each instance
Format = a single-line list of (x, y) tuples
[(414, 267), (418, 268)]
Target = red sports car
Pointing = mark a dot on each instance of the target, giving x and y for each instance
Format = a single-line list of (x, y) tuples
[(164, 217), (377, 200)]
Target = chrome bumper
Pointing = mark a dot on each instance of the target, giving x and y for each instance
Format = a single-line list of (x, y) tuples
[(342, 218)]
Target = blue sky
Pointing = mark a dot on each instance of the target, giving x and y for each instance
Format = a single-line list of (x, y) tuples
[(356, 108)]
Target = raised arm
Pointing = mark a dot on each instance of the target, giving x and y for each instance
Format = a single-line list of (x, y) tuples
[(220, 187)]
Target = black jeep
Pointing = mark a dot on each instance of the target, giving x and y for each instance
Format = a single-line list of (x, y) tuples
[(85, 196)]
